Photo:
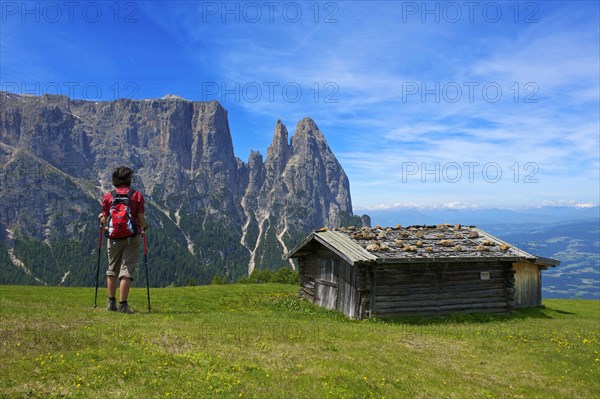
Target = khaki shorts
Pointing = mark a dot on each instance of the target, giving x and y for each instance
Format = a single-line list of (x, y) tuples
[(123, 256)]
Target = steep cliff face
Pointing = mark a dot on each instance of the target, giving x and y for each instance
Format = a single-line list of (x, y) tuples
[(210, 212)]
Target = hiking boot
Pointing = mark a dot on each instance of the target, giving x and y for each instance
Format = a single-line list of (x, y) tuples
[(124, 308), (112, 305)]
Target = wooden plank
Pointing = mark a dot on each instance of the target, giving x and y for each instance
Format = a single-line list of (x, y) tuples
[(476, 274), (348, 295), (400, 310), (449, 282), (437, 287), (420, 271), (484, 264), (326, 296), (325, 282), (468, 302), (527, 283), (437, 268), (409, 289), (441, 295), (396, 277), (439, 276)]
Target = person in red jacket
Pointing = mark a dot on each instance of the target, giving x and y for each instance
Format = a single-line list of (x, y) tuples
[(123, 253)]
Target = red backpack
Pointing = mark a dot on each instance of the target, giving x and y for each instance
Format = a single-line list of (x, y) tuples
[(120, 222)]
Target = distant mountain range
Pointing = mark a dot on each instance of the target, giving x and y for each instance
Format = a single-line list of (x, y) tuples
[(210, 212), (569, 234), (485, 216)]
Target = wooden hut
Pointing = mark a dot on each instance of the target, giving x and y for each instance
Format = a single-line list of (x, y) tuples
[(424, 270)]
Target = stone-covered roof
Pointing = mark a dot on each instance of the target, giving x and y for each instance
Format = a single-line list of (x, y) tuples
[(417, 243)]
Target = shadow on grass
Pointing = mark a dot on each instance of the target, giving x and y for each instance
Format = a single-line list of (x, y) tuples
[(560, 311), (542, 312)]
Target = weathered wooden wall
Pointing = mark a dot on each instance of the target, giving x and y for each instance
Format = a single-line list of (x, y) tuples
[(528, 284), (330, 282), (386, 289), (436, 288), (365, 277)]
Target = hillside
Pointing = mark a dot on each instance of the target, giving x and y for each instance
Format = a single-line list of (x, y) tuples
[(576, 244), (210, 212), (258, 341)]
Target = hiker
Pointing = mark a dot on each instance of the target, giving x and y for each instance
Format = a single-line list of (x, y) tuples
[(123, 217)]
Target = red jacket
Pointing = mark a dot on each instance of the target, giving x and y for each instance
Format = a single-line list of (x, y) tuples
[(137, 204)]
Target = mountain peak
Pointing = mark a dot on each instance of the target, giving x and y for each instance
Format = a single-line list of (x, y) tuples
[(279, 150), (307, 131), (171, 96), (308, 122), (281, 133)]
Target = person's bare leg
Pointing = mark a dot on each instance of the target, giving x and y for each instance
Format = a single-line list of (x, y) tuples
[(124, 289), (111, 285)]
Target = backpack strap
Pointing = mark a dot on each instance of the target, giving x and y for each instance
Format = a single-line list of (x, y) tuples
[(130, 194)]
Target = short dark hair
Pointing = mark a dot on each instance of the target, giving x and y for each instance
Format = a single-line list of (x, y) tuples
[(122, 176)]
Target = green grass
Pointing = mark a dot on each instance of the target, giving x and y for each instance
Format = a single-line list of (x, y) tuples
[(258, 341)]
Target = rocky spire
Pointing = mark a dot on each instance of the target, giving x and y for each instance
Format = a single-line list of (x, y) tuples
[(256, 171), (279, 150)]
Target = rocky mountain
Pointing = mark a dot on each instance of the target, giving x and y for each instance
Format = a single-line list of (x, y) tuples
[(210, 212)]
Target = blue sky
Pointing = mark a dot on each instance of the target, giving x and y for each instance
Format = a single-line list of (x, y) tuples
[(439, 104)]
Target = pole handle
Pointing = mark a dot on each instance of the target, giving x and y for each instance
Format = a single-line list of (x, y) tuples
[(100, 239)]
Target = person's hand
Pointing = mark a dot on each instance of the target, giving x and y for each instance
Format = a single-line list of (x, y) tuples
[(101, 218), (144, 226)]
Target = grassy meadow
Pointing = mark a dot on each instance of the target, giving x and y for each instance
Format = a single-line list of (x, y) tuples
[(259, 341)]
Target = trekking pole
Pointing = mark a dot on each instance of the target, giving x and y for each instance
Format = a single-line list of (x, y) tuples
[(146, 267), (98, 267)]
